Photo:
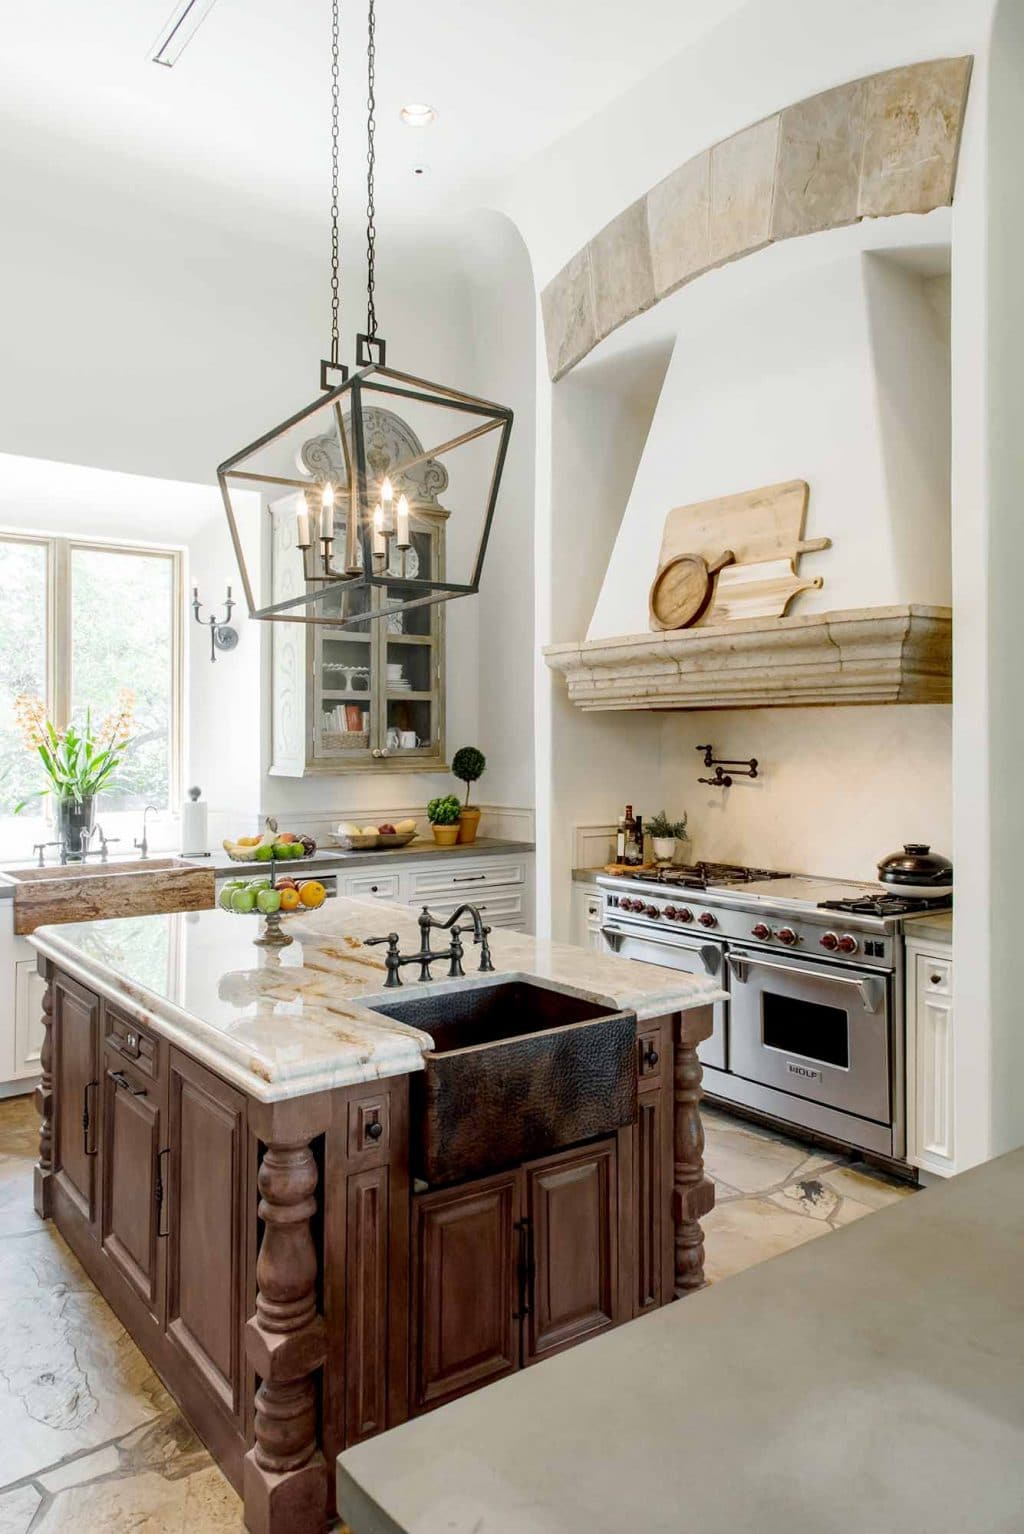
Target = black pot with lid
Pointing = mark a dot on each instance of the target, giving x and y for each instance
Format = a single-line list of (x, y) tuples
[(917, 870)]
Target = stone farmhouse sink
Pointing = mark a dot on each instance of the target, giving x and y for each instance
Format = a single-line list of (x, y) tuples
[(89, 891), (517, 1070)]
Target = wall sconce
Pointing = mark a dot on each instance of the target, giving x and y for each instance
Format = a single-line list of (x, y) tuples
[(222, 635)]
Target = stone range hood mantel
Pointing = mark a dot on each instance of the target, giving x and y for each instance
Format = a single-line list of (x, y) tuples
[(863, 655)]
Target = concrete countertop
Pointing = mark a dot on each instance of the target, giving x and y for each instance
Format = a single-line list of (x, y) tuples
[(932, 929), (282, 1022), (330, 859), (870, 1380)]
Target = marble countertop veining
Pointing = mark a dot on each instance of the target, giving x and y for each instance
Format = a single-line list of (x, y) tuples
[(282, 1022)]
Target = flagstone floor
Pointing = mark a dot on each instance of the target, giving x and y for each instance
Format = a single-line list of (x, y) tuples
[(91, 1441)]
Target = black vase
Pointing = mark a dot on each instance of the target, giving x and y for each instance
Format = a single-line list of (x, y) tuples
[(75, 819)]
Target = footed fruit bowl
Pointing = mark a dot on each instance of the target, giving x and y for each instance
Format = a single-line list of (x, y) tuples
[(272, 899)]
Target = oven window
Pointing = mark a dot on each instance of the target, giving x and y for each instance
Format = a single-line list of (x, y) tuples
[(806, 1028)]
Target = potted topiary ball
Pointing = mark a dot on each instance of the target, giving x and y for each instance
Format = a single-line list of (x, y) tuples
[(443, 814), (467, 765)]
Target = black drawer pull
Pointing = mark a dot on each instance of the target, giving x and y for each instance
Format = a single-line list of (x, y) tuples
[(121, 1080), (87, 1117), (160, 1192), (467, 878), (651, 1056), (374, 1130)]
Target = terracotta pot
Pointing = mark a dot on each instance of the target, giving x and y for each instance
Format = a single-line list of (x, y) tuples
[(469, 822), (446, 836)]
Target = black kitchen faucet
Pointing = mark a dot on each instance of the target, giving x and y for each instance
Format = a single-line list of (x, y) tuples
[(394, 961)]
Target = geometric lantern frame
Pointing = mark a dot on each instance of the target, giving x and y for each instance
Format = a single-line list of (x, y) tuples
[(360, 568)]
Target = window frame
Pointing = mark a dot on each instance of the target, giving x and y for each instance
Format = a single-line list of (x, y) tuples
[(59, 664)]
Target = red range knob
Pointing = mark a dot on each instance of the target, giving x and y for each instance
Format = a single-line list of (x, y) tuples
[(829, 941), (651, 910), (684, 914), (707, 920), (848, 944), (671, 912), (626, 903), (761, 931), (786, 935)]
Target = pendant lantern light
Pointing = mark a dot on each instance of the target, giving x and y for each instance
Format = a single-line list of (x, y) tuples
[(350, 505)]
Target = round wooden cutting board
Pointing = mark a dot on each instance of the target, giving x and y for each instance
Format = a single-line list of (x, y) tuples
[(682, 589)]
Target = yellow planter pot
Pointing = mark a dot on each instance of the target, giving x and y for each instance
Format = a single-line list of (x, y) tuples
[(469, 822), (446, 836)]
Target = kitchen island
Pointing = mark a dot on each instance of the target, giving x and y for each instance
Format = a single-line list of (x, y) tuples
[(234, 1141)]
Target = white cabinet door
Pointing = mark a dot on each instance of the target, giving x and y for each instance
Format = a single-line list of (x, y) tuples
[(587, 918), (28, 1018), (931, 1063)]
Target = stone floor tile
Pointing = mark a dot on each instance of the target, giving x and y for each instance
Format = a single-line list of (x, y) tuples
[(808, 1197), (17, 1215), (168, 1446), (750, 1230), (203, 1503), (747, 1159), (17, 1509), (866, 1187), (19, 1133), (88, 1467), (849, 1210)]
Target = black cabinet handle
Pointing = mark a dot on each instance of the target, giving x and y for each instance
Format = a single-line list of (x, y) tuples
[(374, 1130), (651, 1056), (160, 1192), (87, 1116), (523, 1285), (467, 878), (121, 1080)]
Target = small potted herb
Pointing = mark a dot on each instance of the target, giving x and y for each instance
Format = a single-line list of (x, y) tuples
[(443, 814), (664, 833), (467, 764)]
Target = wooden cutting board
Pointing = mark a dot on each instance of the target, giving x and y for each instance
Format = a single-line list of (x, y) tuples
[(761, 590), (682, 589)]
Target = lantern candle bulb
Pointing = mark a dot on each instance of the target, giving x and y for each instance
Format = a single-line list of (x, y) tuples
[(380, 542), (327, 513), (302, 528), (403, 522), (387, 506)]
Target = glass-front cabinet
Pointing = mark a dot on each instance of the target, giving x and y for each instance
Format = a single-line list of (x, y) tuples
[(371, 696)]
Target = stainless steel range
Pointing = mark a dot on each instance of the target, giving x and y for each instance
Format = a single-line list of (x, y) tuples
[(813, 1031)]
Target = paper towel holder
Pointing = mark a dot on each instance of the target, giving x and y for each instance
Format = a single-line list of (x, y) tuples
[(223, 636), (194, 794)]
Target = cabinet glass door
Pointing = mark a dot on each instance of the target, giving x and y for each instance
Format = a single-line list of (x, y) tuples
[(344, 709), (412, 654)]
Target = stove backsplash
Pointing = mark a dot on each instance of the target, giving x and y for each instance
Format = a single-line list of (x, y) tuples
[(836, 789)]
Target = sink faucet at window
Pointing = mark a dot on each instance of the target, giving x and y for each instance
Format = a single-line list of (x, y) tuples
[(143, 845)]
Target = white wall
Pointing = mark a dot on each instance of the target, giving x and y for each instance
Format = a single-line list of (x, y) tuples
[(837, 789)]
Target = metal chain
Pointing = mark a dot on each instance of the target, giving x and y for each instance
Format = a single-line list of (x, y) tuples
[(335, 133), (371, 129)]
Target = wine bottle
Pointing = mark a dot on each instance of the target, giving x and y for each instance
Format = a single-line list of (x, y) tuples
[(623, 838)]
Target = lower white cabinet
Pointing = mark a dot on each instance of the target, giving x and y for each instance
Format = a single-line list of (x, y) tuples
[(931, 1115), (588, 918), (21, 1009), (28, 1018)]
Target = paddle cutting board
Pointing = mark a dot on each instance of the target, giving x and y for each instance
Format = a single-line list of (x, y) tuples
[(761, 590)]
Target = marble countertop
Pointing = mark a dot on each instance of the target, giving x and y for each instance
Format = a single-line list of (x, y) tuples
[(282, 1022), (869, 1380), (932, 929), (327, 858)]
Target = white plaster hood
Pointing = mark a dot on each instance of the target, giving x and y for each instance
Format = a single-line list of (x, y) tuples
[(863, 655)]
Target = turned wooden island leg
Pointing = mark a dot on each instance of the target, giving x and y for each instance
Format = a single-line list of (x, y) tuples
[(693, 1194), (43, 1172), (285, 1474)]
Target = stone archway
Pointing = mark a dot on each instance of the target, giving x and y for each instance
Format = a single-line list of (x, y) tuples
[(870, 148)]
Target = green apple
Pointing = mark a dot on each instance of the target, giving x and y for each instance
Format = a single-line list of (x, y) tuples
[(225, 897), (282, 849), (268, 901), (263, 854), (243, 901), (262, 883), (296, 850)]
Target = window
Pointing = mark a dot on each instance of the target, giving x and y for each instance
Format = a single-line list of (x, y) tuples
[(79, 622)]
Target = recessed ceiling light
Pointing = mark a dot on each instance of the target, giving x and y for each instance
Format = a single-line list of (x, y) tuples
[(420, 170), (418, 114)]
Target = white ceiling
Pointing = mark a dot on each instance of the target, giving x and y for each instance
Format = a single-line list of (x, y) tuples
[(247, 104)]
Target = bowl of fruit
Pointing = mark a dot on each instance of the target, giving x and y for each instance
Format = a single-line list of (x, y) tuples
[(271, 899), (271, 845), (365, 838)]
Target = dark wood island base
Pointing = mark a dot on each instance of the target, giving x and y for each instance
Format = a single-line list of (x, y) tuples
[(293, 1291)]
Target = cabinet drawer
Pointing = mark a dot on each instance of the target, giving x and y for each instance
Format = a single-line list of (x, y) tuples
[(461, 877), (503, 908), (131, 1041), (372, 886), (594, 907), (934, 976), (648, 1054)]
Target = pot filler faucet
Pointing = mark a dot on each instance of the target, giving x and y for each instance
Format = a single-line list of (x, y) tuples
[(394, 961)]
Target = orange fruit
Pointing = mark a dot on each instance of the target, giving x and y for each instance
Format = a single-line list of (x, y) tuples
[(312, 893), (290, 900)]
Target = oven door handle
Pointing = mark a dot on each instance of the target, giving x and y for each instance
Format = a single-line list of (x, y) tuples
[(871, 987), (711, 957)]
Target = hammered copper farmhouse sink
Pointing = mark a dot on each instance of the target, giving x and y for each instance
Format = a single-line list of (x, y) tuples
[(517, 1070)]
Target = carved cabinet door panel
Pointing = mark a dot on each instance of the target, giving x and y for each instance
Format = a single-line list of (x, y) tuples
[(76, 1069), (133, 1121), (206, 1240), (572, 1229), (465, 1256)]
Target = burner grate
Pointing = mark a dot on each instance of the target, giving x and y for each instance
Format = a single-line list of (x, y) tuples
[(887, 905), (699, 876)]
